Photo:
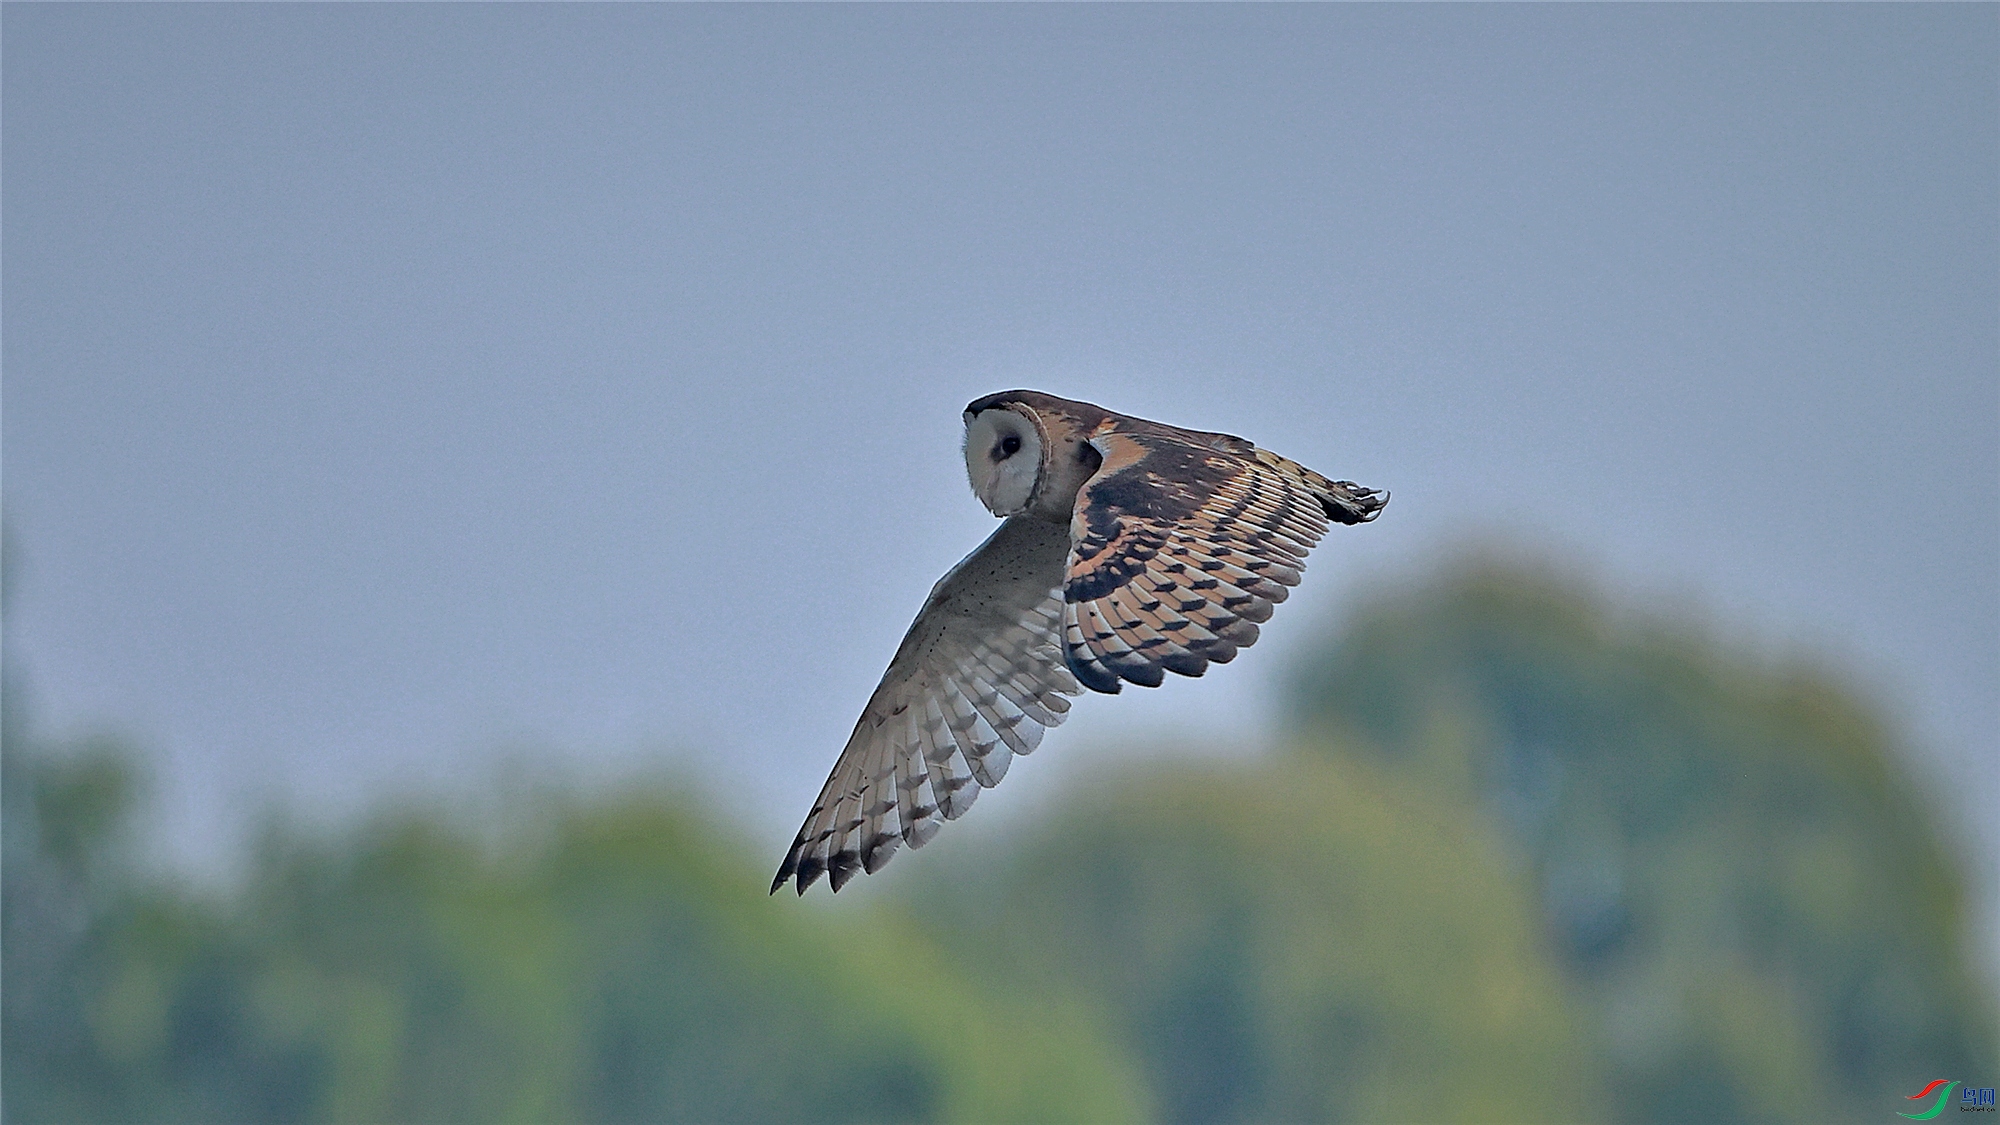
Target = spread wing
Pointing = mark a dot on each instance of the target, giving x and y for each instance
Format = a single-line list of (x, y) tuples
[(1183, 541), (977, 679)]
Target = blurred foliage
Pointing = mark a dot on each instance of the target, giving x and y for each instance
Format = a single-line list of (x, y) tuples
[(1746, 893), (1296, 940), (1528, 860), (617, 962)]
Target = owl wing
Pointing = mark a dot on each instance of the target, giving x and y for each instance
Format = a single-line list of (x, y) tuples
[(1181, 544), (978, 678)]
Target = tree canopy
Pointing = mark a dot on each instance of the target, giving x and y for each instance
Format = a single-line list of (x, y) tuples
[(1528, 856)]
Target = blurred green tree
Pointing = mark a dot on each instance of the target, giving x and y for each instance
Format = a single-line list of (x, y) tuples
[(1759, 912), (65, 892), (610, 962), (1527, 860), (1301, 939)]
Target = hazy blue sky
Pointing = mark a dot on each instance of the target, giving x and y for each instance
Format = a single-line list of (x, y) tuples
[(387, 385)]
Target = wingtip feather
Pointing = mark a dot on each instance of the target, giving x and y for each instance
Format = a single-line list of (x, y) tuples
[(841, 867), (1092, 674), (809, 871), (1350, 503)]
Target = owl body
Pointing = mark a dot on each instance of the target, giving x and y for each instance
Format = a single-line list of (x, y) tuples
[(1129, 549)]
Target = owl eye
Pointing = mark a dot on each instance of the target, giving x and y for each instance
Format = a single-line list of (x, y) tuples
[(1008, 446)]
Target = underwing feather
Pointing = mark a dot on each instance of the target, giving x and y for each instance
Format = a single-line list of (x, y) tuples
[(977, 679)]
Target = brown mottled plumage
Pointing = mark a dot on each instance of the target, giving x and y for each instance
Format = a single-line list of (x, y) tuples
[(1130, 549)]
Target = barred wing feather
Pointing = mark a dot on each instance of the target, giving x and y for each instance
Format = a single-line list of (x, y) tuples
[(977, 679), (1183, 543)]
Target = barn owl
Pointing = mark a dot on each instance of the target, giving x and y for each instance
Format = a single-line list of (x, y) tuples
[(1129, 549)]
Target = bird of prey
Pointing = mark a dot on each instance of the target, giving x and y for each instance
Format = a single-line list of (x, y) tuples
[(1129, 549)]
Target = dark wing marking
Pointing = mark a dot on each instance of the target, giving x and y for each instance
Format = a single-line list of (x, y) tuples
[(978, 678), (1181, 544)]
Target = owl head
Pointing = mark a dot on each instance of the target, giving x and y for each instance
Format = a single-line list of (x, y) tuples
[(1028, 450), (1003, 456)]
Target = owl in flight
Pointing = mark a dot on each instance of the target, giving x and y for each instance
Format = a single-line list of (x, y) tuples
[(1130, 549)]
